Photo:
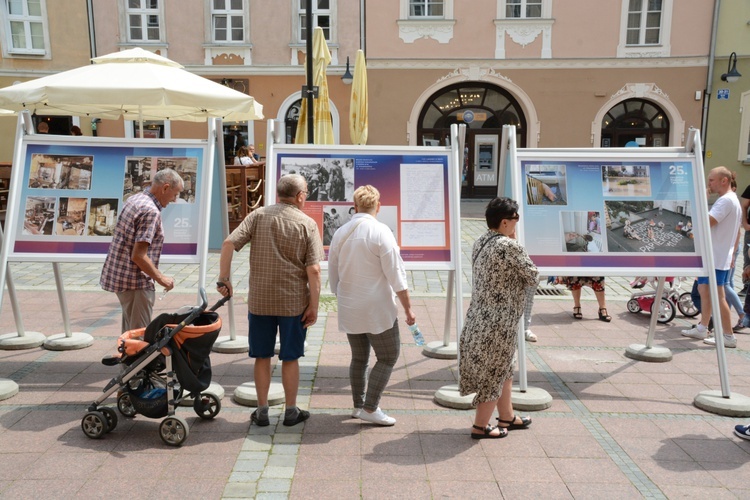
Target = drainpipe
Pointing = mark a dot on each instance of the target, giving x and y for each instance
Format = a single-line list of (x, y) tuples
[(362, 25), (710, 77)]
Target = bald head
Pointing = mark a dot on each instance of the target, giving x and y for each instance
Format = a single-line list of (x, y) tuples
[(720, 180)]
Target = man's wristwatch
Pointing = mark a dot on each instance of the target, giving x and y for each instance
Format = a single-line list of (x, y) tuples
[(225, 279)]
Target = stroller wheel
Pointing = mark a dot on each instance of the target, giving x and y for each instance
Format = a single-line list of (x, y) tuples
[(173, 430), (125, 405), (94, 424), (686, 306), (111, 416), (666, 311), (207, 406), (633, 306)]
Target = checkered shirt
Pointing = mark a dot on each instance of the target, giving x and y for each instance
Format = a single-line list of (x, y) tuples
[(284, 242), (140, 220)]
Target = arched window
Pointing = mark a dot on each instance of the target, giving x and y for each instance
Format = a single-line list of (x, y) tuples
[(635, 122), (481, 106), (291, 119)]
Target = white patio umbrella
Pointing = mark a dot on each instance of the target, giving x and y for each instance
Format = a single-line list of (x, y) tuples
[(135, 84)]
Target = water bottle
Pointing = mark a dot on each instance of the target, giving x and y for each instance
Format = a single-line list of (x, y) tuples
[(417, 334)]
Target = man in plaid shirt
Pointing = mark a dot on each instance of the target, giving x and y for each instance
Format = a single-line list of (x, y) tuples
[(132, 263), (284, 289)]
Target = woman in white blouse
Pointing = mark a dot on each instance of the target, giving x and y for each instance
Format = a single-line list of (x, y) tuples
[(364, 270)]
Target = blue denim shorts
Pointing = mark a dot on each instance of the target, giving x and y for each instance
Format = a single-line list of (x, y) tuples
[(262, 336), (722, 278)]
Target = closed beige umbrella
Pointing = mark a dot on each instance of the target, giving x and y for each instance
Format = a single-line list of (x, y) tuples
[(358, 105), (323, 128)]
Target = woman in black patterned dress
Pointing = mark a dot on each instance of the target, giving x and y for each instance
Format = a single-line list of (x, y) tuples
[(502, 271)]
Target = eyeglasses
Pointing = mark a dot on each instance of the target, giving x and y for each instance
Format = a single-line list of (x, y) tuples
[(304, 192), (515, 217)]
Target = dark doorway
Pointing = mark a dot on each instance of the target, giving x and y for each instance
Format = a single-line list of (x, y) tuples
[(635, 122), (59, 125), (484, 108)]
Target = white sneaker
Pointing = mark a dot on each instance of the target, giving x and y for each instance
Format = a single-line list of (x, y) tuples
[(356, 412), (377, 417), (699, 332), (530, 336), (729, 341)]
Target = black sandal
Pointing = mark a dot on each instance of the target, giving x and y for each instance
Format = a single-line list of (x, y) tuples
[(604, 317), (487, 430), (577, 313), (512, 425)]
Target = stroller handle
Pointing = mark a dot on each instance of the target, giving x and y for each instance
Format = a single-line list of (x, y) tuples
[(204, 299), (220, 303)]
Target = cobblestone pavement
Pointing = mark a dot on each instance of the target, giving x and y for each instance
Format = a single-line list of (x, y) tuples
[(616, 427)]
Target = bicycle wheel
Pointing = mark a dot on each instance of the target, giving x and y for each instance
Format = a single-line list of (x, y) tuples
[(686, 306)]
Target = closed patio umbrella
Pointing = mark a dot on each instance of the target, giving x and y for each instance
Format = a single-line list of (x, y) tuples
[(135, 84), (323, 133), (358, 105)]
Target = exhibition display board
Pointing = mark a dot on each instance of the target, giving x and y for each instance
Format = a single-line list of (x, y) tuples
[(67, 196), (415, 187), (620, 212)]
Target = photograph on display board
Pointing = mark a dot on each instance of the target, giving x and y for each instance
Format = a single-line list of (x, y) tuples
[(187, 168), (577, 233), (333, 218), (626, 180), (39, 216), (60, 172), (137, 175), (140, 170), (328, 179), (103, 216), (546, 185), (71, 216), (649, 226)]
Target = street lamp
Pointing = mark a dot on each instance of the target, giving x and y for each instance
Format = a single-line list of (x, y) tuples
[(347, 77), (732, 75)]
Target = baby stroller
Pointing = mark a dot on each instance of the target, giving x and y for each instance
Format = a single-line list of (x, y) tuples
[(160, 364), (672, 298)]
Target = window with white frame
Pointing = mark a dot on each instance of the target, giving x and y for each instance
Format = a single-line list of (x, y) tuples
[(644, 22), (426, 19), (523, 9), (426, 8), (143, 20), (25, 27), (228, 20), (645, 28), (321, 16)]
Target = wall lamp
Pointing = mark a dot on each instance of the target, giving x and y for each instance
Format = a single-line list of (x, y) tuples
[(347, 77), (732, 75)]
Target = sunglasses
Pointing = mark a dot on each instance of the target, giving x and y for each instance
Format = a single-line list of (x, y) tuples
[(515, 217)]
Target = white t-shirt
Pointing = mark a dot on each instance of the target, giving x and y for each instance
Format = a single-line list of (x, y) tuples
[(727, 212), (364, 271)]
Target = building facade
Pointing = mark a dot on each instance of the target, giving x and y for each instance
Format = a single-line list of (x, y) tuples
[(565, 73), (727, 131)]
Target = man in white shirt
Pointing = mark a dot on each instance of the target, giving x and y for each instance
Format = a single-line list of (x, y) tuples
[(364, 270), (724, 217)]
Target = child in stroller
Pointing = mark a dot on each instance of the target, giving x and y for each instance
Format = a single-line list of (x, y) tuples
[(159, 364)]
